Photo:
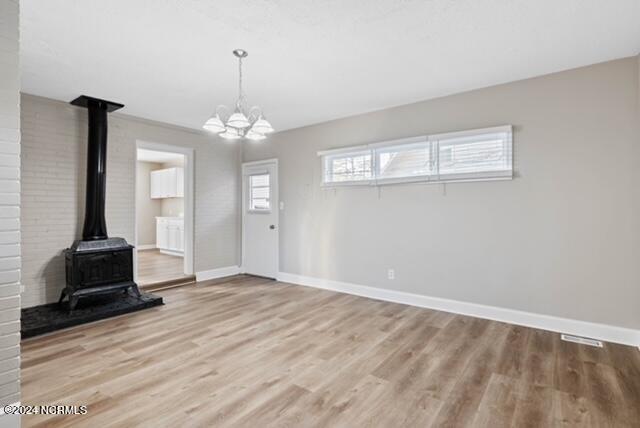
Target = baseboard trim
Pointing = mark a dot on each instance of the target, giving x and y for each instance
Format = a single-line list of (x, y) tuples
[(604, 332), (147, 247), (172, 253), (217, 273), (171, 283)]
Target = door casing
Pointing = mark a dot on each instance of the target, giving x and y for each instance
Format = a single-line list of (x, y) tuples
[(275, 197), (189, 201)]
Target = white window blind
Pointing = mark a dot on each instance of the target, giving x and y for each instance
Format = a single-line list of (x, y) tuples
[(259, 192), (348, 167), (404, 161), (482, 154), (477, 156)]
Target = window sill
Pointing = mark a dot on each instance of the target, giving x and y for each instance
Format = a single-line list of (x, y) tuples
[(422, 180)]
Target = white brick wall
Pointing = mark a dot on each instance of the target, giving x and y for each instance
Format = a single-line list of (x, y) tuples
[(53, 181), (9, 207)]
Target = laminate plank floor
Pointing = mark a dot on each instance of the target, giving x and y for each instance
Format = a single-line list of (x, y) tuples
[(155, 267), (249, 352)]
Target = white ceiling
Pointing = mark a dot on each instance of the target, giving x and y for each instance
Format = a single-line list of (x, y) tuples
[(309, 61), (145, 155)]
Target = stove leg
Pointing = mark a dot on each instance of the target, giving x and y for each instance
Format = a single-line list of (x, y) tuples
[(73, 301), (62, 296), (136, 291)]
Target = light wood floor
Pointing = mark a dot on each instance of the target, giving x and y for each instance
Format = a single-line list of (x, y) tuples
[(155, 267), (249, 352)]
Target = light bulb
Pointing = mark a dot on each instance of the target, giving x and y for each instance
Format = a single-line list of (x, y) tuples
[(214, 124), (254, 135), (238, 120), (230, 134), (262, 126)]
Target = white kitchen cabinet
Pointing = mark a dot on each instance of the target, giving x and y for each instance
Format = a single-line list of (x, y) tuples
[(158, 184), (167, 183), (162, 234), (170, 235), (180, 236)]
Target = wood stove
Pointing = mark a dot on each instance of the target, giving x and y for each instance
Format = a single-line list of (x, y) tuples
[(97, 264)]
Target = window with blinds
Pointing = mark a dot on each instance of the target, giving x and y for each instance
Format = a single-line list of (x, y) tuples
[(259, 192), (475, 156), (349, 167), (482, 154), (404, 161)]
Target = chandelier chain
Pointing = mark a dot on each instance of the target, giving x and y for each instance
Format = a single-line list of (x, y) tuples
[(240, 94)]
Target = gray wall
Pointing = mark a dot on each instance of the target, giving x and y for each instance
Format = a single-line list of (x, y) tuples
[(53, 175), (147, 209), (9, 208), (560, 239)]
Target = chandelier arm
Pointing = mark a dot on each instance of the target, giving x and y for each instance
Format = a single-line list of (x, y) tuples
[(223, 112), (254, 113)]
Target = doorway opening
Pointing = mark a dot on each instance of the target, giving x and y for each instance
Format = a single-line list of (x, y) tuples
[(164, 216)]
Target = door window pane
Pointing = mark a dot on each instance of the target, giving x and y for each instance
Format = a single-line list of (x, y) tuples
[(259, 191)]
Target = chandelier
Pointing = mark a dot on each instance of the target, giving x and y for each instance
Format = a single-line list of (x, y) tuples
[(242, 123)]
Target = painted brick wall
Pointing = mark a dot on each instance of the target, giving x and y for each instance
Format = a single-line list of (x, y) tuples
[(54, 139), (9, 208)]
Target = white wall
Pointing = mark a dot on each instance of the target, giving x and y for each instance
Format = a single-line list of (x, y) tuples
[(53, 174), (9, 209), (147, 209), (560, 239), (172, 207)]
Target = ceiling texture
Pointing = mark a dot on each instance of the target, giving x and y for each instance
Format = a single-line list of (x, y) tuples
[(309, 61)]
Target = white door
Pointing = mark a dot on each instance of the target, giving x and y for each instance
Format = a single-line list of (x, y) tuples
[(260, 218)]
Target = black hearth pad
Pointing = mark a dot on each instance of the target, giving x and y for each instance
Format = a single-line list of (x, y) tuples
[(51, 317)]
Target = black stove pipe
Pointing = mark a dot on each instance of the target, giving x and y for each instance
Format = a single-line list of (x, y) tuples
[(95, 226)]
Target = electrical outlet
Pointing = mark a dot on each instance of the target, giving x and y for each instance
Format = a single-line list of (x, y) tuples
[(391, 274), (281, 206), (21, 288)]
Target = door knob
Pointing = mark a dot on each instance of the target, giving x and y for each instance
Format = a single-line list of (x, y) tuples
[(273, 226)]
